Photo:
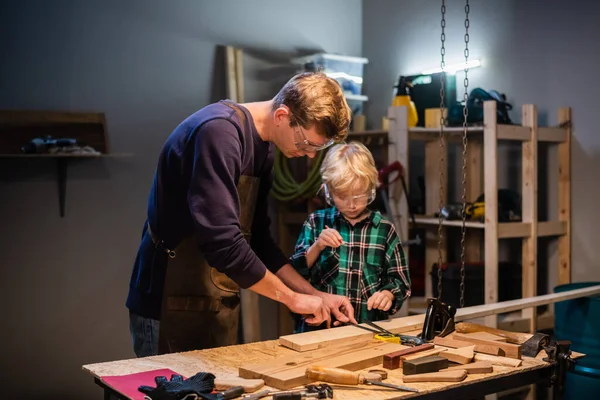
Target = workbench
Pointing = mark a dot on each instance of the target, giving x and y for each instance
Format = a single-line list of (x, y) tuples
[(225, 361)]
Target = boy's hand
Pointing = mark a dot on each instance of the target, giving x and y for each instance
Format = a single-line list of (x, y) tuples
[(329, 237), (381, 300)]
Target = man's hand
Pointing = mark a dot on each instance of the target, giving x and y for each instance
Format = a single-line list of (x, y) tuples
[(311, 307), (339, 306), (380, 300)]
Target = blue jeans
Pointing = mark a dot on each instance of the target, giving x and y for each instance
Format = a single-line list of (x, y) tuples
[(144, 334)]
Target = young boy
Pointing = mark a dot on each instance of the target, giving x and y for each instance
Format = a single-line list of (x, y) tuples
[(348, 249)]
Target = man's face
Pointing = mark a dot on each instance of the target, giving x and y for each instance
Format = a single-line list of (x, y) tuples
[(294, 141)]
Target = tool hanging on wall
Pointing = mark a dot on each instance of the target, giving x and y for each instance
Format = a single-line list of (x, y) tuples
[(438, 314), (384, 183)]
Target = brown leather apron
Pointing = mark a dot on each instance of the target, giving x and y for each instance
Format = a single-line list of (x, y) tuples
[(201, 306)]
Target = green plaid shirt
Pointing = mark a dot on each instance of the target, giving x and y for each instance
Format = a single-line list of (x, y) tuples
[(370, 259)]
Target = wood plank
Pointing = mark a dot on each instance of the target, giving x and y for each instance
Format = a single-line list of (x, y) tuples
[(498, 360), (455, 343), (353, 335), (487, 336), (490, 161), (510, 350), (392, 360), (480, 367), (441, 376), (529, 190), (461, 355), (510, 337), (552, 134), (289, 372), (513, 132), (564, 199)]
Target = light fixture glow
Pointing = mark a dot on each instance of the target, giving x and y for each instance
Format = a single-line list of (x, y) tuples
[(452, 69)]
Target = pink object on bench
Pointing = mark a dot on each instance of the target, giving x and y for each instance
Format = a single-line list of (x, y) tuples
[(128, 384)]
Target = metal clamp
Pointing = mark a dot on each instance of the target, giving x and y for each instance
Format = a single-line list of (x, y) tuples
[(559, 354)]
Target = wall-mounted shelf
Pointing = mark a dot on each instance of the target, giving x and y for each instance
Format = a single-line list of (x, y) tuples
[(18, 127)]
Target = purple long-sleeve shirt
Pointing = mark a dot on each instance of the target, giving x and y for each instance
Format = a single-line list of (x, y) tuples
[(195, 193)]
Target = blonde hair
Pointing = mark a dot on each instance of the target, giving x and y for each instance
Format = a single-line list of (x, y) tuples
[(314, 99), (348, 166)]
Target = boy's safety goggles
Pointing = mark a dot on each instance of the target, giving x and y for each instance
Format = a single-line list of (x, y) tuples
[(365, 199)]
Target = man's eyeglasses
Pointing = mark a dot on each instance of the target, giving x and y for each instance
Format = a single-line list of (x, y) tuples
[(302, 142)]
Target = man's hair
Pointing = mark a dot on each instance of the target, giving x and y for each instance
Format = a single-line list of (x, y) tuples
[(314, 99), (349, 166)]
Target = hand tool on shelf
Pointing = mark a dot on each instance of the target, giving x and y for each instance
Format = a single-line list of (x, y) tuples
[(345, 377), (387, 336), (384, 174)]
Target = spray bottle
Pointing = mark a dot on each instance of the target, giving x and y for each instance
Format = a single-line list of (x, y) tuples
[(403, 99)]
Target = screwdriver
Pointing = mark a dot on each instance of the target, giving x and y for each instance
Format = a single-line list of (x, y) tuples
[(345, 377)]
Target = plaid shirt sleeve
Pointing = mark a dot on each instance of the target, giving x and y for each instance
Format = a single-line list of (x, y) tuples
[(396, 277), (305, 240)]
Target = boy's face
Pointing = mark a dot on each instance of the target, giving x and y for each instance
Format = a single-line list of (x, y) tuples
[(352, 203)]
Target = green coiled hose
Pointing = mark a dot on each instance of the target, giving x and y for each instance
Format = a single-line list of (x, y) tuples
[(286, 188)]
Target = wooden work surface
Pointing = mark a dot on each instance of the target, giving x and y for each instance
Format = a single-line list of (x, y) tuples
[(224, 362)]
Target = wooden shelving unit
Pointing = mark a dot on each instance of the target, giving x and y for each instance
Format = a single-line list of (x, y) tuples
[(18, 127), (482, 239)]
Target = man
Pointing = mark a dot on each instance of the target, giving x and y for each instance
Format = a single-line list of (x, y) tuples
[(207, 230)]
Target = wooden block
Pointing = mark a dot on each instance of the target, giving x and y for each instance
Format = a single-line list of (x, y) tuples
[(497, 360), (481, 348), (392, 360), (487, 336), (441, 376), (508, 349), (287, 372), (423, 365), (249, 385), (425, 353), (462, 355), (480, 367)]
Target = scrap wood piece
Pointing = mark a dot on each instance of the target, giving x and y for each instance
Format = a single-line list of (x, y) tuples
[(249, 385), (508, 349), (462, 355), (425, 353), (487, 336), (440, 376), (423, 365), (511, 337), (454, 343), (287, 372), (498, 360), (392, 360), (307, 341), (480, 367)]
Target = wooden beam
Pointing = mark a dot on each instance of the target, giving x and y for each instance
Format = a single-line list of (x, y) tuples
[(529, 190), (490, 160), (564, 199)]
